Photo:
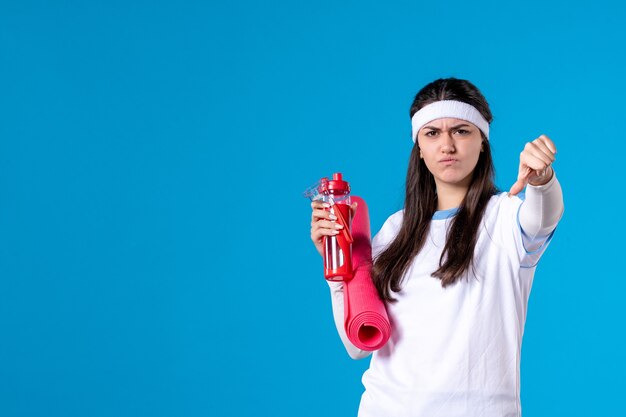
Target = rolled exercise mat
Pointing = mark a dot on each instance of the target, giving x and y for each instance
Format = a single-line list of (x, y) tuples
[(366, 321)]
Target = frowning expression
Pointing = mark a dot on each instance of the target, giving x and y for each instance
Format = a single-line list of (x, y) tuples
[(450, 149)]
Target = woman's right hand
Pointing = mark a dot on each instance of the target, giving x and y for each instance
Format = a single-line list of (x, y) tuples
[(323, 223)]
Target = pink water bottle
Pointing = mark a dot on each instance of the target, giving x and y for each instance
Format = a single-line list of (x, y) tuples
[(338, 248)]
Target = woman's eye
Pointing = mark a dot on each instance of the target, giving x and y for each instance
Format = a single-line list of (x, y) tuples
[(431, 133), (463, 132)]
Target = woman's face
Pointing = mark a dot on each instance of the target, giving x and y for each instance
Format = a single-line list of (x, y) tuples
[(450, 148)]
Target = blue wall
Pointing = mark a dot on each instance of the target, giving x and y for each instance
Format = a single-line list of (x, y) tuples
[(155, 256)]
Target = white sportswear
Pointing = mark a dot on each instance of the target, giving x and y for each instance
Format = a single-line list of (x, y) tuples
[(455, 351)]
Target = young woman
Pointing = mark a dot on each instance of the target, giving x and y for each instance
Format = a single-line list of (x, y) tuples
[(455, 266)]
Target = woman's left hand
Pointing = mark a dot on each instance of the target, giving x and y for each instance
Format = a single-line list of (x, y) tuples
[(535, 164)]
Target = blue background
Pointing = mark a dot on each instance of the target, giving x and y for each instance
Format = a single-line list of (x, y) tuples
[(155, 256)]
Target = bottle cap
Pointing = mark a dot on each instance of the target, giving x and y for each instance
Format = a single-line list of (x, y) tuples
[(335, 186)]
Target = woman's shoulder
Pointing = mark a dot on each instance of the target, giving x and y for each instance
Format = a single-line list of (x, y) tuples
[(503, 204), (394, 221), (391, 226)]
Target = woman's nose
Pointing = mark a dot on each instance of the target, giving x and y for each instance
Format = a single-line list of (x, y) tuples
[(447, 144)]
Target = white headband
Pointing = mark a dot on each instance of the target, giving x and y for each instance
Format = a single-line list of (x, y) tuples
[(448, 108)]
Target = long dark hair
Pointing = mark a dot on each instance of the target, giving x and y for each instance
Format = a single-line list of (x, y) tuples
[(421, 202)]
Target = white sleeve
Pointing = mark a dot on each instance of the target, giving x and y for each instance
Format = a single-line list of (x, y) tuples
[(336, 296), (540, 212)]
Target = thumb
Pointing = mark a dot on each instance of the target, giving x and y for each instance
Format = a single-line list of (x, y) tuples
[(522, 180), (517, 187), (353, 207)]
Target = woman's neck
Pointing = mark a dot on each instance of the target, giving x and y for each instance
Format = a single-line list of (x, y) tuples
[(450, 196)]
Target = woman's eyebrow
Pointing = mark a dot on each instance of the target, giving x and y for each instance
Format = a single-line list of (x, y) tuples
[(453, 127)]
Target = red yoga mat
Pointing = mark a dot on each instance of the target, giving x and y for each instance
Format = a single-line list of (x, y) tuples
[(366, 321)]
